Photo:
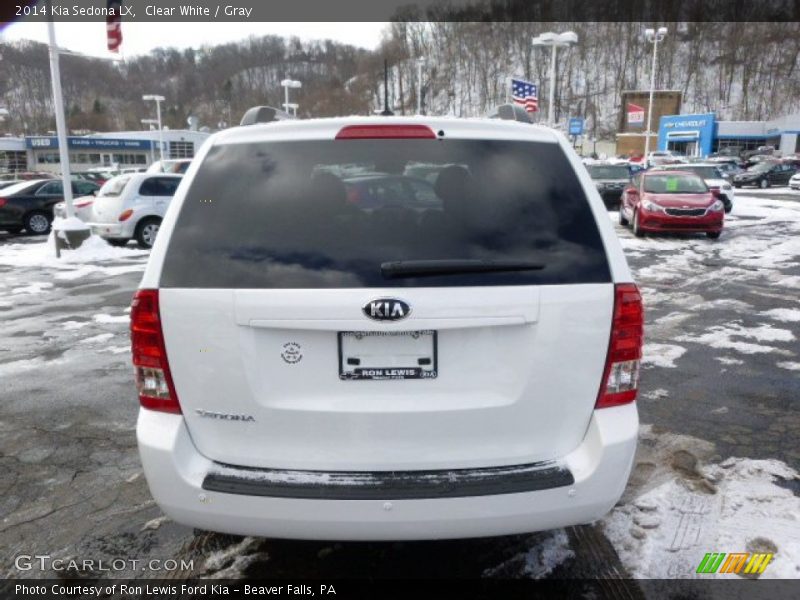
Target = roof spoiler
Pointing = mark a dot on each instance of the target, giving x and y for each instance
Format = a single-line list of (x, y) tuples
[(510, 112), (264, 114)]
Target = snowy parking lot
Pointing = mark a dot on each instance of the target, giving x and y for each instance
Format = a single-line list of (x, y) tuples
[(716, 469)]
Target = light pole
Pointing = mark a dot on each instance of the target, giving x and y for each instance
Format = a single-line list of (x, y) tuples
[(420, 64), (290, 83), (150, 123), (158, 100), (653, 36), (554, 40)]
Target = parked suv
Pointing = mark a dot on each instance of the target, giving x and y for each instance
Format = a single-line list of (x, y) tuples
[(132, 206), (610, 181), (310, 367)]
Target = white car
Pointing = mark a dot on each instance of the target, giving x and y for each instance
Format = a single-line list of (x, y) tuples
[(313, 366), (82, 206), (177, 166), (794, 182), (714, 178), (131, 207), (664, 157)]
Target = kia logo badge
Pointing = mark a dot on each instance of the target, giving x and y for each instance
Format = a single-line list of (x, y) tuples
[(386, 309)]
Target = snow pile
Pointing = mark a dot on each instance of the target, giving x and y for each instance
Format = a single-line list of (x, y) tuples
[(94, 255), (662, 355), (69, 224), (734, 506), (60, 225)]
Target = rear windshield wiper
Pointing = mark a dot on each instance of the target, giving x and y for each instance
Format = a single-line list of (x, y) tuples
[(430, 268)]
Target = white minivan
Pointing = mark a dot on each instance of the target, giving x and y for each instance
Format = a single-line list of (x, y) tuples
[(132, 206), (313, 364)]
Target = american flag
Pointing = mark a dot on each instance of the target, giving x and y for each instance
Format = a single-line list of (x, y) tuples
[(525, 94), (114, 25)]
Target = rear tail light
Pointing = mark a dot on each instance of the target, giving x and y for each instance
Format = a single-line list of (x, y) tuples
[(150, 364), (125, 215), (84, 203), (384, 132), (621, 373), (3, 202)]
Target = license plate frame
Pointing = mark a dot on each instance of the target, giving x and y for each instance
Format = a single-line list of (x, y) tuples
[(352, 372)]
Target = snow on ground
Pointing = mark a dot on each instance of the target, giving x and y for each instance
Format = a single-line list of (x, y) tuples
[(788, 315), (103, 318), (94, 255), (683, 509), (540, 560), (657, 394), (789, 366), (661, 355), (721, 336), (96, 339)]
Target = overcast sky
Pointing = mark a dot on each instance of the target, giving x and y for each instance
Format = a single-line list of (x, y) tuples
[(140, 38)]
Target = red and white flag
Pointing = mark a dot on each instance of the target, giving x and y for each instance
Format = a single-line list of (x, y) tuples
[(114, 25), (635, 114)]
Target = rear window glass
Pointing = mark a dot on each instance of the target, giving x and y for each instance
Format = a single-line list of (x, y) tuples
[(159, 186), (609, 172), (329, 214), (113, 187)]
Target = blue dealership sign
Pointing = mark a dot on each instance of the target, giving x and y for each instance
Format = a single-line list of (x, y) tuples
[(576, 126), (698, 129)]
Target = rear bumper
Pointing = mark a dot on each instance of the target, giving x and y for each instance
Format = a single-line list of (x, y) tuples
[(111, 230), (598, 468), (649, 221)]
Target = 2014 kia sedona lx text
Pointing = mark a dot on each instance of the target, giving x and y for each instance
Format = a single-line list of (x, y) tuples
[(386, 328)]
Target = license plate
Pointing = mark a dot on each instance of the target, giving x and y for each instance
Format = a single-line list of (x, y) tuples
[(377, 355)]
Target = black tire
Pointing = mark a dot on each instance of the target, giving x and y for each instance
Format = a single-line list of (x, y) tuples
[(728, 204), (713, 235), (738, 186), (14, 230), (37, 223), (637, 231), (763, 184), (622, 220), (118, 243), (146, 232)]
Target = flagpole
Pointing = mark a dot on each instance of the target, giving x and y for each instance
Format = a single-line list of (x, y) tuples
[(61, 129), (508, 90)]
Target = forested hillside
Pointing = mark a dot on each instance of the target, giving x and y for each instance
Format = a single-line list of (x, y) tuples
[(744, 71)]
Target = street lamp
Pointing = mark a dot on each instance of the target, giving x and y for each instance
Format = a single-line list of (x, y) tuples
[(158, 100), (420, 64), (151, 123), (653, 36), (554, 40), (290, 83)]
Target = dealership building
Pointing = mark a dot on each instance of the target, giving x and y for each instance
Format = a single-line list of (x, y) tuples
[(122, 149), (702, 134)]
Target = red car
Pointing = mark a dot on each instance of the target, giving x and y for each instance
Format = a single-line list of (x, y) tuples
[(674, 201)]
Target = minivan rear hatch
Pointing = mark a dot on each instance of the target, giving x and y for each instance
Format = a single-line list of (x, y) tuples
[(386, 304)]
